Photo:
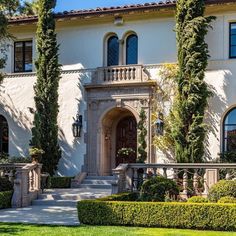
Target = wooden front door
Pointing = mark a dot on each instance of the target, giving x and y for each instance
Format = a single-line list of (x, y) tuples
[(126, 137)]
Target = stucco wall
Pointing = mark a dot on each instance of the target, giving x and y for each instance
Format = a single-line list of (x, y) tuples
[(83, 47)]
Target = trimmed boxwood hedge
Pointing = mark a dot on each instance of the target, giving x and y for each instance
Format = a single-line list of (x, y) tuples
[(59, 182), (158, 214), (5, 199)]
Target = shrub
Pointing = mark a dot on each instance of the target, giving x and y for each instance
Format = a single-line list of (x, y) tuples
[(221, 189), (212, 216), (227, 200), (156, 189), (121, 197), (5, 185), (5, 199), (59, 182), (198, 199)]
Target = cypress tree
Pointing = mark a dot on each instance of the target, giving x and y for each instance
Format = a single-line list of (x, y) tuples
[(142, 134), (189, 129), (45, 130)]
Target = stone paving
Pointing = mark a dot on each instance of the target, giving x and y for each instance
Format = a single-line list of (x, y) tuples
[(54, 207), (49, 215)]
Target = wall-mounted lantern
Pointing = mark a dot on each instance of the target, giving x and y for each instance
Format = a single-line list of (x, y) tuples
[(77, 126), (159, 124)]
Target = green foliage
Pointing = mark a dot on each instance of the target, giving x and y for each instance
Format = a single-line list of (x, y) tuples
[(125, 151), (35, 151), (5, 199), (45, 130), (142, 135), (189, 129), (165, 94), (5, 185), (223, 188), (59, 182), (29, 8), (130, 196), (198, 199), (227, 200), (156, 189), (158, 214)]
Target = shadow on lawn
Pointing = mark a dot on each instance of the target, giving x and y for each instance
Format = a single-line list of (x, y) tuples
[(11, 229)]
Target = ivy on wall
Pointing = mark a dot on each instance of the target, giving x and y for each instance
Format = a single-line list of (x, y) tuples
[(142, 135)]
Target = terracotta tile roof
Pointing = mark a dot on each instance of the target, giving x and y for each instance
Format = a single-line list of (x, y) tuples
[(112, 10)]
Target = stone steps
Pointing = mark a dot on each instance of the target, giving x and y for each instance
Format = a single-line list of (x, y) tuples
[(69, 197)]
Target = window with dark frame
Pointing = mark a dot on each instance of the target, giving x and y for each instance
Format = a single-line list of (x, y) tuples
[(132, 49), (4, 135), (23, 53), (113, 51), (232, 40), (229, 131)]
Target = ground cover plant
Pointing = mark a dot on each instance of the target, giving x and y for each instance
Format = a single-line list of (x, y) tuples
[(36, 230)]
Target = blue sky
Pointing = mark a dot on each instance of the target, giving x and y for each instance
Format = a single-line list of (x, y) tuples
[(66, 5)]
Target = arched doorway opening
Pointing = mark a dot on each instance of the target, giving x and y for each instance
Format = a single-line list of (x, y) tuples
[(119, 130), (4, 135)]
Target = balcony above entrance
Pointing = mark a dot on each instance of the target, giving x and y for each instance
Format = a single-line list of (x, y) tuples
[(130, 74)]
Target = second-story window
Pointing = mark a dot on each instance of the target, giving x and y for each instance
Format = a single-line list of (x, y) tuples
[(232, 40), (23, 56), (113, 51), (132, 49)]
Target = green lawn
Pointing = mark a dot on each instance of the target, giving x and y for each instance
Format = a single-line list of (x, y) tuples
[(32, 230)]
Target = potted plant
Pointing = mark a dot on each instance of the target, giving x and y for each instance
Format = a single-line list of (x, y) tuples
[(36, 154), (124, 153)]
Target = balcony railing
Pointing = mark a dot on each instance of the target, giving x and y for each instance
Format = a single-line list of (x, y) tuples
[(120, 74), (192, 179)]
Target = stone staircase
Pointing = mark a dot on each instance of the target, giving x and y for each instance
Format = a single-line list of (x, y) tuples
[(92, 187)]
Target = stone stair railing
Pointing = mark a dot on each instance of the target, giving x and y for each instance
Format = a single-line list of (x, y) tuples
[(26, 179), (194, 177)]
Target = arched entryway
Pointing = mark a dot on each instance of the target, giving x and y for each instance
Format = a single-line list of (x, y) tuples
[(118, 130), (4, 135)]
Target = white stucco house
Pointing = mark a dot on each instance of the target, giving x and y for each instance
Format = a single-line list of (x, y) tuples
[(110, 60)]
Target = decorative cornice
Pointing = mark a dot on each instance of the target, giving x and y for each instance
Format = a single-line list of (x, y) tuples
[(33, 74), (98, 12)]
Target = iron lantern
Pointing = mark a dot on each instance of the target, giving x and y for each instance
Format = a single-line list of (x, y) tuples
[(159, 124), (77, 126)]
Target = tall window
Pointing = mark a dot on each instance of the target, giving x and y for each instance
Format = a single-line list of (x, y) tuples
[(229, 131), (4, 136), (23, 56), (232, 41), (132, 49), (113, 51)]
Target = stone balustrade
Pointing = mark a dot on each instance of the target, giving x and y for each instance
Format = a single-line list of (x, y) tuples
[(120, 74), (26, 179), (193, 179)]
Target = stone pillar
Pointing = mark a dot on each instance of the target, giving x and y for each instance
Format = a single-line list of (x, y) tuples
[(16, 201), (25, 187), (121, 50)]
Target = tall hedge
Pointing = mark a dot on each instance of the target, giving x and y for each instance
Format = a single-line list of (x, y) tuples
[(158, 214), (189, 130), (45, 130)]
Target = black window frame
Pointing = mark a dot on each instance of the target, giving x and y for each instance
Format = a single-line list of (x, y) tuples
[(230, 35), (224, 137), (126, 49), (23, 61), (108, 50)]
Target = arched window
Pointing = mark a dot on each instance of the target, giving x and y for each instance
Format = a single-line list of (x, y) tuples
[(132, 49), (229, 131), (4, 136), (113, 51)]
